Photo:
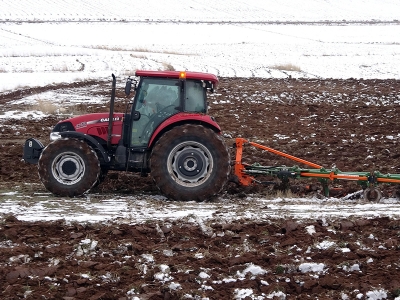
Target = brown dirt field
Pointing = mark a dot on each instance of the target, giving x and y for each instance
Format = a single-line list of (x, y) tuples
[(351, 124)]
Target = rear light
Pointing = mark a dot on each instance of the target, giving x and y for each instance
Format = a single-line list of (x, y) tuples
[(182, 75)]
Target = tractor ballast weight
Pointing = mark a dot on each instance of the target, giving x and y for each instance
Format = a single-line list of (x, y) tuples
[(32, 150)]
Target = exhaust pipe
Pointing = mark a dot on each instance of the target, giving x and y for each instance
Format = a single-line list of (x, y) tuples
[(111, 117)]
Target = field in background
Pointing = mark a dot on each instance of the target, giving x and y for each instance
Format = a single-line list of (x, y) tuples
[(77, 40)]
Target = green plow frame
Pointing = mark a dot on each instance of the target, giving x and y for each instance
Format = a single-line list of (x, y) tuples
[(368, 180)]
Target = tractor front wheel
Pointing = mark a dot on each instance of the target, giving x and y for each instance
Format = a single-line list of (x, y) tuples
[(190, 162), (68, 167)]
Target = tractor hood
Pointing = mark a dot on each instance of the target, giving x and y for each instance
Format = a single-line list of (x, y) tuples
[(93, 124)]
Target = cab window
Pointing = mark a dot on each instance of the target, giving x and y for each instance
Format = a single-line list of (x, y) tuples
[(195, 97)]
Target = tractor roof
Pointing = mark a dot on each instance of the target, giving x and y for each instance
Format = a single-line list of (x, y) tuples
[(178, 74)]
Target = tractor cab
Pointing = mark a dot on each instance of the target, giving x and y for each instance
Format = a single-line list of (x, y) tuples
[(160, 95)]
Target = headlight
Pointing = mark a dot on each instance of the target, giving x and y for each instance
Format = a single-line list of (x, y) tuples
[(54, 136)]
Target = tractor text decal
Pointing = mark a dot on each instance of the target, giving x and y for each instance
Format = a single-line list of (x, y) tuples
[(107, 119)]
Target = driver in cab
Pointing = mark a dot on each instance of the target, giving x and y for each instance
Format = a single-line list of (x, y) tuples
[(147, 105)]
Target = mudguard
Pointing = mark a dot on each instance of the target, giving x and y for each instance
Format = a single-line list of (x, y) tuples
[(90, 140), (32, 150)]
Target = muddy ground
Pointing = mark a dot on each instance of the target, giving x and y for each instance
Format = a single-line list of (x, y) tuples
[(349, 124)]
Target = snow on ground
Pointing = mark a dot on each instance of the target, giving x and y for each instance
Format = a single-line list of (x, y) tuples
[(337, 39), (195, 11), (141, 208)]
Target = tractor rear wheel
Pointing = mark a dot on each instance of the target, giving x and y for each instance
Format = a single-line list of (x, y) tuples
[(190, 162), (68, 167)]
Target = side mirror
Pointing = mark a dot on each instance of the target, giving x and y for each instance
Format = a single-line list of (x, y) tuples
[(128, 87), (209, 86)]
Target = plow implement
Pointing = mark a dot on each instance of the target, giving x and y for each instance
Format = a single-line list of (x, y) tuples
[(246, 174)]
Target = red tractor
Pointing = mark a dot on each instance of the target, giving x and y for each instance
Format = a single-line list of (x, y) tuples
[(166, 133)]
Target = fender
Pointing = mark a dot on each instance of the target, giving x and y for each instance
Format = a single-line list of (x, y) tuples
[(184, 118), (89, 139)]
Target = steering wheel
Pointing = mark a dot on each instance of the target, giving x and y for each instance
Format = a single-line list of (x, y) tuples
[(158, 116)]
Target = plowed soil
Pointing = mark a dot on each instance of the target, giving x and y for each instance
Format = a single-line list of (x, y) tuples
[(348, 124)]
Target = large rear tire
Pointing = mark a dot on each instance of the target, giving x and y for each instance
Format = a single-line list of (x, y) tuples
[(68, 167), (190, 162)]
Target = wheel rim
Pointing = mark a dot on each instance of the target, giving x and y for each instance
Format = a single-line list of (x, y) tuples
[(372, 194), (190, 164), (68, 168)]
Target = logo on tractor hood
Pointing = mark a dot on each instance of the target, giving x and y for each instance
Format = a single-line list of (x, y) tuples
[(81, 125), (108, 119)]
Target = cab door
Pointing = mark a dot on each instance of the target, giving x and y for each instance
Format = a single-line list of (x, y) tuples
[(157, 99)]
